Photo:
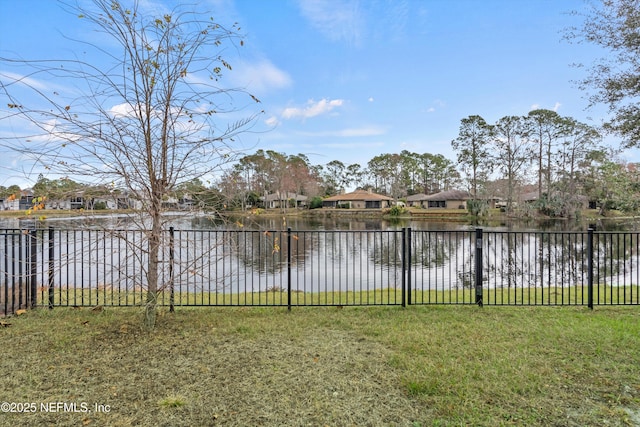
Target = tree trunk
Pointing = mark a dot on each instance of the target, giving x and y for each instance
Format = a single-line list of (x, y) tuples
[(152, 271)]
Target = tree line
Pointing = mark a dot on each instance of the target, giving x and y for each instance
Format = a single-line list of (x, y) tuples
[(562, 158), (561, 162), (395, 174)]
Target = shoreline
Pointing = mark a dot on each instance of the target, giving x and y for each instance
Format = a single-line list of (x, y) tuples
[(448, 215)]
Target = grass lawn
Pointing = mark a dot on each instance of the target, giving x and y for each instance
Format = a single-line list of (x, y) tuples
[(317, 366)]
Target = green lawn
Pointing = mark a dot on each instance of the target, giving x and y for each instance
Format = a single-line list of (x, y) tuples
[(419, 366), (568, 295)]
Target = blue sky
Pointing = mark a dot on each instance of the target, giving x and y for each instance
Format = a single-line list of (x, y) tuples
[(350, 79)]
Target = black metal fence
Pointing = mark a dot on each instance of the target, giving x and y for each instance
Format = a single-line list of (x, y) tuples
[(18, 271), (56, 267)]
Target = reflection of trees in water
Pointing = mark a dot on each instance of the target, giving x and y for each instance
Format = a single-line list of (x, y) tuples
[(200, 260), (433, 249), (534, 259), (522, 259), (259, 251), (386, 249), (538, 259), (331, 258), (442, 259), (509, 256), (511, 259), (266, 251), (616, 255)]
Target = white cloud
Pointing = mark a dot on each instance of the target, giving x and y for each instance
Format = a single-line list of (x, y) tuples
[(261, 76), (312, 109), (371, 99), (121, 110), (28, 81), (355, 21), (337, 20), (272, 121)]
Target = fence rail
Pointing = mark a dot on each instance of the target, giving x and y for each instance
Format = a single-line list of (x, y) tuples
[(64, 267)]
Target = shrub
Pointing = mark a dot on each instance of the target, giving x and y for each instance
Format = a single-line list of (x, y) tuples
[(315, 203), (477, 207), (397, 210)]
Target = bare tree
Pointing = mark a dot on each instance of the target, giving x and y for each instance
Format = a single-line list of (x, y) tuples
[(147, 121)]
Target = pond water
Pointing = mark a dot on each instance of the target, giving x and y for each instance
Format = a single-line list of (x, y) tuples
[(263, 222)]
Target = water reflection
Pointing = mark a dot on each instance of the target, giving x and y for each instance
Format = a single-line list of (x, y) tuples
[(187, 221)]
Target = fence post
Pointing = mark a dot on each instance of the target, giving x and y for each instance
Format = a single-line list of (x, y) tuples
[(404, 267), (409, 266), (590, 268), (289, 268), (33, 268), (171, 284), (51, 267), (19, 241), (478, 259), (5, 289)]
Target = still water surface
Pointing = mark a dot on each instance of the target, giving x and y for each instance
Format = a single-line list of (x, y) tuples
[(203, 222)]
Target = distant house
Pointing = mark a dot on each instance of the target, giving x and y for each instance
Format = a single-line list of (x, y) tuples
[(359, 199), (66, 203), (530, 197), (417, 200), (9, 204), (450, 199), (112, 202), (171, 203), (186, 202), (26, 200), (107, 197), (283, 200), (76, 202)]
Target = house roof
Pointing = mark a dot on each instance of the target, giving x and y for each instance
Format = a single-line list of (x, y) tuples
[(529, 197), (284, 196), (449, 195), (360, 195), (417, 197)]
